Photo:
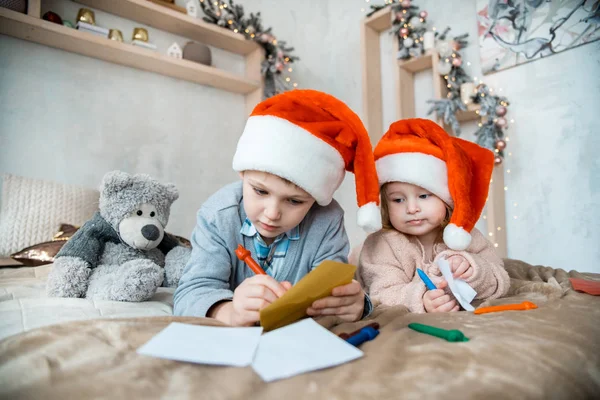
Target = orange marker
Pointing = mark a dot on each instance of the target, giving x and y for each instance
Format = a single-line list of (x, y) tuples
[(526, 305), (244, 255)]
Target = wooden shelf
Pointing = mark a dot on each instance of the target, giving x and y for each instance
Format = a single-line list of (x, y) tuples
[(371, 65), (418, 64), (165, 19), (380, 21), (50, 34), (470, 115)]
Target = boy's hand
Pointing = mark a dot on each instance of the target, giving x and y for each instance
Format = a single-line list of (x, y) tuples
[(347, 302), (438, 301), (460, 267), (249, 298)]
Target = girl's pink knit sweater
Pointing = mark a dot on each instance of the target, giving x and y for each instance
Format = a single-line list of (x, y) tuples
[(388, 262)]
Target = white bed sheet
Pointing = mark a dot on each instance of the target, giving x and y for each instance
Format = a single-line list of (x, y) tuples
[(25, 306)]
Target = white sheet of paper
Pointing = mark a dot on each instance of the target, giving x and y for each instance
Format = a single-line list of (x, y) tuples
[(204, 344), (460, 289), (298, 348)]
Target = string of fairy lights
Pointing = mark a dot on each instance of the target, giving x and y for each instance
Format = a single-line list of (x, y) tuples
[(498, 120)]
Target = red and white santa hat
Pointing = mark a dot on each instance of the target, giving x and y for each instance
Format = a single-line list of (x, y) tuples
[(420, 152), (311, 139)]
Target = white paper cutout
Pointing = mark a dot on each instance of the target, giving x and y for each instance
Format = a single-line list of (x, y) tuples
[(460, 289)]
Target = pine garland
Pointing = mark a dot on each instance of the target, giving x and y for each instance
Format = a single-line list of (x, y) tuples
[(451, 60), (409, 25), (493, 122), (277, 54)]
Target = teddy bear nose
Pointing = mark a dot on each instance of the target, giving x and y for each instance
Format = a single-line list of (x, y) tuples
[(150, 232)]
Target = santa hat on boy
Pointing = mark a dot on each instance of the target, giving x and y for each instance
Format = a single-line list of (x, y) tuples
[(420, 152), (311, 139)]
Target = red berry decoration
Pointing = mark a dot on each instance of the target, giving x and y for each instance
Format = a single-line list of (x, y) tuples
[(53, 17)]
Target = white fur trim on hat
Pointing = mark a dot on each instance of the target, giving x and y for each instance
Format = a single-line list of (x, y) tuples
[(276, 145), (419, 169), (456, 237), (369, 217)]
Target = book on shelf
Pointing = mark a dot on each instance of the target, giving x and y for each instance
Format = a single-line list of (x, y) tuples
[(94, 29), (147, 45)]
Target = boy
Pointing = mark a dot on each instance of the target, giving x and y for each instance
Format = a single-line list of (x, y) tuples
[(292, 156)]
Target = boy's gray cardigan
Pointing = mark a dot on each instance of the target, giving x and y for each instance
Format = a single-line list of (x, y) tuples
[(214, 271)]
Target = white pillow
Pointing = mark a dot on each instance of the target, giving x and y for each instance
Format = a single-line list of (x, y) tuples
[(33, 209)]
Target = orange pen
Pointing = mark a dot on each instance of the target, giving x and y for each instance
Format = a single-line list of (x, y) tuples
[(245, 255), (526, 305)]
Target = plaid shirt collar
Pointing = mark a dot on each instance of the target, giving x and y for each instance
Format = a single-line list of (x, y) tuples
[(250, 230)]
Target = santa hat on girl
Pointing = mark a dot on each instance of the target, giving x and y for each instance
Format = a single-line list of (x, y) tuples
[(420, 152), (311, 139)]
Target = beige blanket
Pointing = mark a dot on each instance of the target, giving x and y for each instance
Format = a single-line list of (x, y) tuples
[(24, 304), (551, 352)]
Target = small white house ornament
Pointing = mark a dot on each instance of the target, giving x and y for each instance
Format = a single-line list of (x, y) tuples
[(175, 51), (191, 8)]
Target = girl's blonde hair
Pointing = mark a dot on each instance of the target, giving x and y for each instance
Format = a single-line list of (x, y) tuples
[(385, 212)]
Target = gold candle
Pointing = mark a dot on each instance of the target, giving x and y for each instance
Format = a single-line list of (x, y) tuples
[(86, 15), (140, 34), (115, 34)]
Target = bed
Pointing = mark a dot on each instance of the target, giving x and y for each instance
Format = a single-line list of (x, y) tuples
[(76, 348), (24, 305)]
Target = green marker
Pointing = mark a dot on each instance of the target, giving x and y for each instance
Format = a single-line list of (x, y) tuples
[(453, 335)]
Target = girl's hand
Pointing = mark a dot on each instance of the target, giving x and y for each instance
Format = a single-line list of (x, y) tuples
[(347, 302), (251, 296), (460, 267), (438, 301)]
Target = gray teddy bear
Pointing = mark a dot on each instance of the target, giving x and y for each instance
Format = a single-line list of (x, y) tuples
[(123, 252)]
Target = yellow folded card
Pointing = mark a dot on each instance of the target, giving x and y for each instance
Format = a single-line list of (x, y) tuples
[(315, 285)]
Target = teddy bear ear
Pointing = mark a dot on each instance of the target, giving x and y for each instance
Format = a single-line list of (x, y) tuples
[(172, 192), (115, 181)]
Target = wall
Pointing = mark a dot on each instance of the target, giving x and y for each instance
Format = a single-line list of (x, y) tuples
[(92, 116)]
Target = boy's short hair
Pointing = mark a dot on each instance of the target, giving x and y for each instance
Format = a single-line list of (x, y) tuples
[(286, 181)]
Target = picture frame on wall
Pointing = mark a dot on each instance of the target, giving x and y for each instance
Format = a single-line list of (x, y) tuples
[(516, 32)]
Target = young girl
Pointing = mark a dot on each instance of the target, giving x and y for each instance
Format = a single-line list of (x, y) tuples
[(433, 190)]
